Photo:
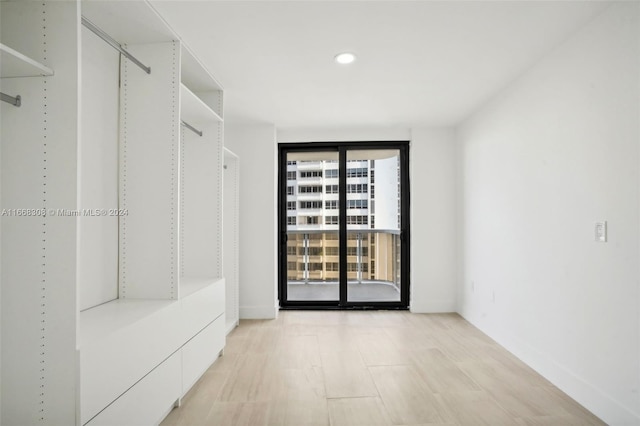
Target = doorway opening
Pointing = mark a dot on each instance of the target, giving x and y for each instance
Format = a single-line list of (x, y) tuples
[(344, 225)]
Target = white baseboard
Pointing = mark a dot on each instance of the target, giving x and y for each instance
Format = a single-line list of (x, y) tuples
[(258, 312), (595, 400)]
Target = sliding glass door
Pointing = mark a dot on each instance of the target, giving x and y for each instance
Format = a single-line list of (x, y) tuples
[(374, 213), (344, 222), (312, 227)]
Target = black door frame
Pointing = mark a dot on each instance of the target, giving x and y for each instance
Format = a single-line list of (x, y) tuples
[(405, 222)]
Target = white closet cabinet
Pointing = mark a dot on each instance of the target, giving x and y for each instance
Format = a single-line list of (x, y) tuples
[(39, 146), (117, 338), (231, 237)]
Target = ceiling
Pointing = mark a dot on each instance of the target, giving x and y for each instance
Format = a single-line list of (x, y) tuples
[(418, 62)]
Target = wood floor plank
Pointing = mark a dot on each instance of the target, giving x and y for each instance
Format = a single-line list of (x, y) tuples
[(304, 384), (410, 338), (528, 401), (225, 363), (339, 339), (456, 349), (358, 412), (440, 373), (375, 368), (574, 409), (306, 413), (376, 350), (245, 414), (265, 340), (251, 382), (514, 366), (297, 352), (493, 375), (345, 375), (206, 390), (475, 408), (563, 420), (236, 344), (311, 318), (388, 319), (407, 399)]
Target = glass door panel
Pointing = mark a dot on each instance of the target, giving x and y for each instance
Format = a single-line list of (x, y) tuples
[(344, 225), (312, 227), (373, 221)]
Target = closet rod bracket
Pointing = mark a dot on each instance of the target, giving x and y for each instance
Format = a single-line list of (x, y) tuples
[(190, 127), (113, 43), (17, 101)]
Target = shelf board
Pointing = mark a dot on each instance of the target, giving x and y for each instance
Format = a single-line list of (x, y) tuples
[(128, 22), (195, 74), (100, 321), (15, 64), (231, 154), (193, 110)]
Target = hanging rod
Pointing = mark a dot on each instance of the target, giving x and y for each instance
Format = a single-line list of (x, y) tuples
[(113, 43), (190, 127), (17, 101)]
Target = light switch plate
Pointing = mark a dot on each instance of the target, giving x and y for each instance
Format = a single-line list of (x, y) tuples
[(601, 232)]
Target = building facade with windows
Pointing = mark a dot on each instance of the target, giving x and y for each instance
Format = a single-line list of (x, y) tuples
[(373, 220)]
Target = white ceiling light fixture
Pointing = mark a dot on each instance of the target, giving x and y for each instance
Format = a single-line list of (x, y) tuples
[(345, 58)]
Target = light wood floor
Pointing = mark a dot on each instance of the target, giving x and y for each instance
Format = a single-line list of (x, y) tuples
[(371, 368)]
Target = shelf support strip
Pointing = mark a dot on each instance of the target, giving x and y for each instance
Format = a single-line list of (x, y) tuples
[(113, 43)]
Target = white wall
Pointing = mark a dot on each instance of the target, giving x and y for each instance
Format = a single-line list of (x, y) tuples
[(314, 134), (544, 160), (432, 181), (256, 147), (433, 220)]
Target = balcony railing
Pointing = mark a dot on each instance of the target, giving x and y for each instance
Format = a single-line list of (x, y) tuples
[(375, 258), (309, 165)]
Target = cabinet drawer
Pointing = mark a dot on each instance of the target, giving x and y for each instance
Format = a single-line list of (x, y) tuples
[(148, 401), (201, 351), (201, 308), (113, 363)]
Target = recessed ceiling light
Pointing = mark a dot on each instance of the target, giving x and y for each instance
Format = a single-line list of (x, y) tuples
[(345, 58)]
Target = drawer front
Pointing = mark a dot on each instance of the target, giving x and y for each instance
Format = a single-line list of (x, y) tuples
[(201, 308), (202, 351), (148, 401), (111, 366)]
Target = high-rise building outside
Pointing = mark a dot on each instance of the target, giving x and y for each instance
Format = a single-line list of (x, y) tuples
[(373, 220)]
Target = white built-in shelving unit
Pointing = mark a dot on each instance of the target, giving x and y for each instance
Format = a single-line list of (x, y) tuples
[(15, 64), (39, 154), (107, 318)]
